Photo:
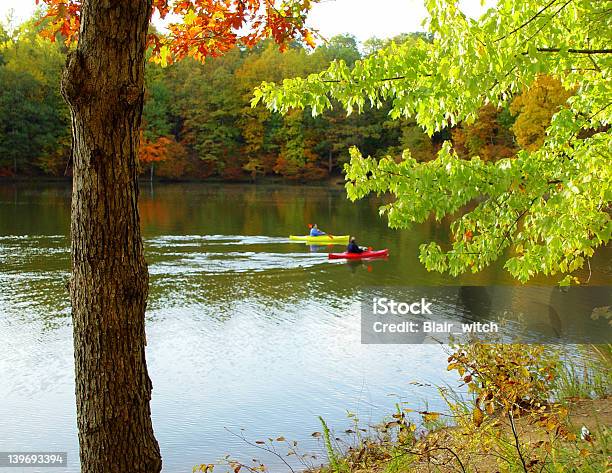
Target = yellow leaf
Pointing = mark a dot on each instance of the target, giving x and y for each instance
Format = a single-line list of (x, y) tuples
[(310, 40), (431, 416), (189, 17), (164, 54), (477, 417)]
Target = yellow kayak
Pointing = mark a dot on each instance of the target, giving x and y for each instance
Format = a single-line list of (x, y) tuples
[(320, 238)]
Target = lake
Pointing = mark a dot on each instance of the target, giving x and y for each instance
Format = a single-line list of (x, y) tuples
[(245, 330)]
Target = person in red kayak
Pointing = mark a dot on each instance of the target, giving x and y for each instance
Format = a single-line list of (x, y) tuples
[(353, 247), (314, 231)]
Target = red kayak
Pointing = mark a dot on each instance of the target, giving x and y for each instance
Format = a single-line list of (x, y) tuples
[(364, 255)]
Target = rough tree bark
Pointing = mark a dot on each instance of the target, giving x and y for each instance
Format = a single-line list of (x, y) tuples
[(104, 83)]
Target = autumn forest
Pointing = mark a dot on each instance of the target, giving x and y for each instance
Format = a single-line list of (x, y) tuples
[(198, 122)]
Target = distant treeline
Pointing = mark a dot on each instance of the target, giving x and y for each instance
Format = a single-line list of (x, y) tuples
[(198, 122)]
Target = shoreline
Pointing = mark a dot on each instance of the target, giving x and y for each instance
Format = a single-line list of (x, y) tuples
[(527, 411), (332, 181), (386, 456)]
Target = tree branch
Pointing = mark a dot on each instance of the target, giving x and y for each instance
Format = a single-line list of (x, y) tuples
[(526, 23), (264, 448), (575, 51), (384, 79), (506, 236), (516, 441), (555, 14)]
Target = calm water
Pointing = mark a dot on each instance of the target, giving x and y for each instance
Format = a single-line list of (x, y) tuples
[(245, 330)]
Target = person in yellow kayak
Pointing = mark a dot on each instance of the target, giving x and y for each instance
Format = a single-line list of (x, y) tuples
[(353, 247), (314, 231)]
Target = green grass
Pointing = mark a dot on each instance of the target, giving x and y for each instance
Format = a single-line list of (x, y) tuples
[(589, 377), (569, 457), (336, 463)]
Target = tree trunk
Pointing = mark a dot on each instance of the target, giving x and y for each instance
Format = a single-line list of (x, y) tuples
[(104, 85), (330, 164)]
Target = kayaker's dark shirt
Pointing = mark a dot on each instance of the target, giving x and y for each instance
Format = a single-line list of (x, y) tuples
[(353, 248)]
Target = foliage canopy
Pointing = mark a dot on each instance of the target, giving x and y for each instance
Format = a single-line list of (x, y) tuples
[(545, 209), (206, 28)]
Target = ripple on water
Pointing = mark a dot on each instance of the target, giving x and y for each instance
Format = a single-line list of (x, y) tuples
[(248, 332), (166, 241), (233, 261)]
